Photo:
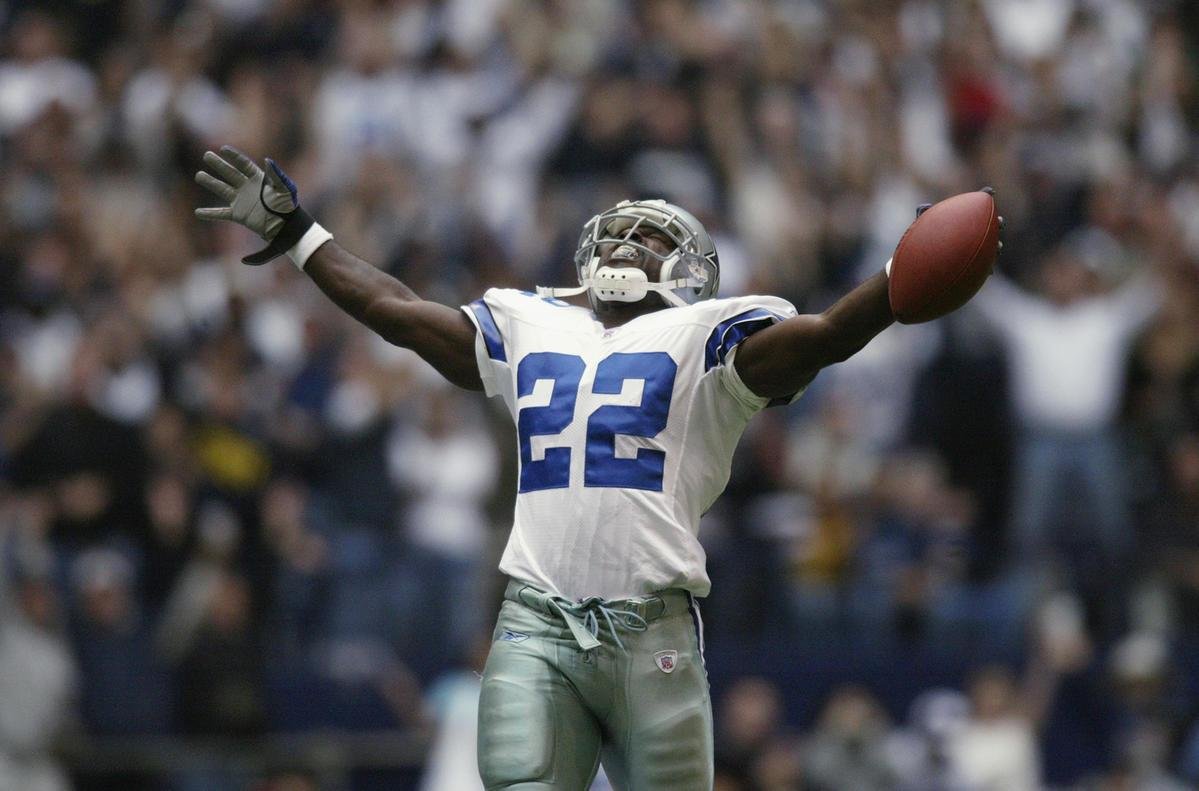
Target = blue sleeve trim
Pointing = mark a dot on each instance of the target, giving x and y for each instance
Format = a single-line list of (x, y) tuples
[(730, 332), (491, 332)]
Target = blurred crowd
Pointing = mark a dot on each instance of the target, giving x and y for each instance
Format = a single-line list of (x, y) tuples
[(968, 559)]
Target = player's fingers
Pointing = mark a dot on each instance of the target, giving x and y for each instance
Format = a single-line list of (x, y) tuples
[(1002, 222), (281, 180), (922, 208), (223, 169), (224, 213), (216, 186), (240, 161), (274, 175)]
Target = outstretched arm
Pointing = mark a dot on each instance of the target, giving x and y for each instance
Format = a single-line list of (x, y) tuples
[(267, 202), (782, 359), (441, 335)]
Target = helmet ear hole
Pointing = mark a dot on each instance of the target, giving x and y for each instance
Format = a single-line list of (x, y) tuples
[(668, 266)]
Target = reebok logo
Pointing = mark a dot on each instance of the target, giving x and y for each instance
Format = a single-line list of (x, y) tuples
[(510, 636)]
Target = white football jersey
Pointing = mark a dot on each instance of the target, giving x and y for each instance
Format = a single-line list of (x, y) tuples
[(626, 435)]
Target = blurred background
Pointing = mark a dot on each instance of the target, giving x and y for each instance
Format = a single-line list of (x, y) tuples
[(246, 545)]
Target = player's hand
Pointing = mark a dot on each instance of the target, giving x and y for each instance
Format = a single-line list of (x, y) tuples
[(266, 202)]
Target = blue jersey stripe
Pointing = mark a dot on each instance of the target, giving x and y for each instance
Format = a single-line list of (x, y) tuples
[(491, 333), (730, 332)]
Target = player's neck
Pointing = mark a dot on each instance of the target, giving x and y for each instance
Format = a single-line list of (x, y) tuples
[(614, 314)]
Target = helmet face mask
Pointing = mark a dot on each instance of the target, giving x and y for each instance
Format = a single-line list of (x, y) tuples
[(689, 271)]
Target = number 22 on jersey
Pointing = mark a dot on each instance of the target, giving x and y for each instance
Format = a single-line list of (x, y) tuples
[(601, 465)]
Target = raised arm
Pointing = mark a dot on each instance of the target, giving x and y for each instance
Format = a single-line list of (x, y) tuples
[(268, 204), (441, 335), (782, 359), (779, 360)]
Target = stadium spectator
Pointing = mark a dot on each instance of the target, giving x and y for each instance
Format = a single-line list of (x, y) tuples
[(750, 717), (444, 461), (1068, 347), (454, 700), (996, 747), (38, 675), (125, 685), (847, 748)]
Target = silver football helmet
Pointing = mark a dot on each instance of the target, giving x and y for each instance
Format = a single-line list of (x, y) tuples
[(690, 272)]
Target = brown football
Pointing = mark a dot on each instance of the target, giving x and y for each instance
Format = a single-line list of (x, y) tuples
[(944, 257)]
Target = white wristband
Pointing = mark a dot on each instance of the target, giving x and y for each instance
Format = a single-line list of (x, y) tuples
[(313, 238)]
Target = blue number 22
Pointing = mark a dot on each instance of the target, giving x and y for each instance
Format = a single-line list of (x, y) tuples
[(601, 465)]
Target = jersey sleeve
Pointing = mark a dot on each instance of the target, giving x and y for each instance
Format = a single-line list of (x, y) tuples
[(734, 321), (491, 314)]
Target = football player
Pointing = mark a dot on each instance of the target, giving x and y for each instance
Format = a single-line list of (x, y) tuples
[(627, 415)]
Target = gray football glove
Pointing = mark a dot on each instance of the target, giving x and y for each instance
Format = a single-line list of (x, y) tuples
[(266, 202)]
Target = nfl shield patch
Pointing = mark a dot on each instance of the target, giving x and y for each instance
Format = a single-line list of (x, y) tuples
[(666, 660)]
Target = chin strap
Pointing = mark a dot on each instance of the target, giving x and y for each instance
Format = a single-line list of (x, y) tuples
[(624, 284), (609, 295)]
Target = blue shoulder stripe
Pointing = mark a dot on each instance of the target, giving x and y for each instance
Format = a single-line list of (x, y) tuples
[(491, 333), (730, 332)]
